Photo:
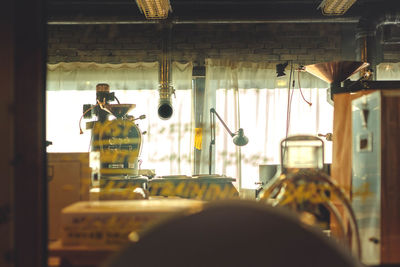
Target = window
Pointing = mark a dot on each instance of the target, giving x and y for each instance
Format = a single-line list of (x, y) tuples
[(246, 96), (263, 117), (166, 146)]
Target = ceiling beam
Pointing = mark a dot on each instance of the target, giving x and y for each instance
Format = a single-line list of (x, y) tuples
[(203, 21)]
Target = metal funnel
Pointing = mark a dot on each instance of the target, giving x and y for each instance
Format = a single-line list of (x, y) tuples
[(335, 71), (118, 110)]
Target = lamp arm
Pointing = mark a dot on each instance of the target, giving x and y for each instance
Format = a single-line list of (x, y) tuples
[(212, 110)]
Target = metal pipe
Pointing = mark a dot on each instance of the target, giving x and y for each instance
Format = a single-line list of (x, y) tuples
[(165, 109), (277, 20), (389, 18), (109, 22), (366, 47), (366, 40), (210, 21), (183, 3)]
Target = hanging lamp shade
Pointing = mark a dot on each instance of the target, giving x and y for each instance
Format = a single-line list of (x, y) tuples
[(335, 71)]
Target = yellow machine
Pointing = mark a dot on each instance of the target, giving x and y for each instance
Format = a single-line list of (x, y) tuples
[(115, 144)]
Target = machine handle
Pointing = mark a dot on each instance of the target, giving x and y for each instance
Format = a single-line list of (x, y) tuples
[(327, 136)]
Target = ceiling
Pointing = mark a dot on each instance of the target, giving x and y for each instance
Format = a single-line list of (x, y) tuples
[(191, 11)]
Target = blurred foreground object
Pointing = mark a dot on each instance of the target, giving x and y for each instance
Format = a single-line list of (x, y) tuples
[(235, 233), (306, 189), (309, 193), (111, 223)]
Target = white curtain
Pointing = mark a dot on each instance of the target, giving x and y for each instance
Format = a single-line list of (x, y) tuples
[(247, 95), (167, 145)]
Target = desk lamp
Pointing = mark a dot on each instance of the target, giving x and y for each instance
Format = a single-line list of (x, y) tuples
[(239, 138)]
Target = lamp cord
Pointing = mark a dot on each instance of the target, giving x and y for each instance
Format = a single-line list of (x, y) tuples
[(289, 104), (301, 92), (80, 120), (288, 111)]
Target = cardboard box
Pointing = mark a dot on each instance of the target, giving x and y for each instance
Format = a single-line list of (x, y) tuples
[(115, 223)]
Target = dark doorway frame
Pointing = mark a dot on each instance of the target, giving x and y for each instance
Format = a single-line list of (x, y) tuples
[(23, 75)]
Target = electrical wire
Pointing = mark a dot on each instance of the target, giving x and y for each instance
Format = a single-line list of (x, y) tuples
[(117, 99), (288, 111), (80, 120), (289, 104), (290, 107), (301, 92)]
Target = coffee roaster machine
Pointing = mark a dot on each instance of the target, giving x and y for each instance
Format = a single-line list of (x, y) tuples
[(115, 142)]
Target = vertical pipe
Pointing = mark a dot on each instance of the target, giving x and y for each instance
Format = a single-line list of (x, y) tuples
[(165, 109), (366, 44), (198, 101)]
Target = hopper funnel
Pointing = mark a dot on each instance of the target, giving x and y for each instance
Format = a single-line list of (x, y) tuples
[(118, 110), (336, 71)]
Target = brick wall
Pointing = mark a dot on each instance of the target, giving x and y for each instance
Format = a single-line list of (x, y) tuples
[(303, 43)]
